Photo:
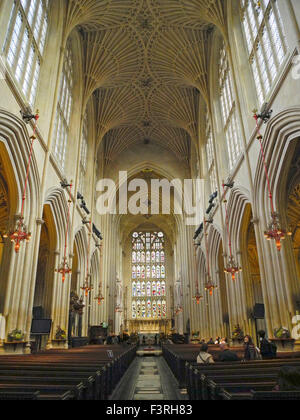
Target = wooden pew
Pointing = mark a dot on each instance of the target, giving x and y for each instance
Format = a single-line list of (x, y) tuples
[(16, 396), (275, 395), (86, 373)]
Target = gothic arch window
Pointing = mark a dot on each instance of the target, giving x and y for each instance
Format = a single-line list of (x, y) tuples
[(64, 107), (265, 39), (228, 108), (25, 43), (151, 249)]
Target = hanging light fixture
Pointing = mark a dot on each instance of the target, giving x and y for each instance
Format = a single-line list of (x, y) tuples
[(198, 295), (100, 297), (20, 234), (118, 309), (178, 310), (232, 267), (64, 269), (88, 287), (209, 286), (274, 229)]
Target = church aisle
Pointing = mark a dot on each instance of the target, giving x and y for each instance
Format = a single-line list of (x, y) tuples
[(148, 379)]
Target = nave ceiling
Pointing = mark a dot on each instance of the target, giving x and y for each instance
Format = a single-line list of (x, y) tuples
[(146, 63)]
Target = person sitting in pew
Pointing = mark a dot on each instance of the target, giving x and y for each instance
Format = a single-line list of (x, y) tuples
[(288, 379), (227, 355), (204, 358), (211, 342)]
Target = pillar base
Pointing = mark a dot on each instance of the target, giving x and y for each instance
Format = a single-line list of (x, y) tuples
[(13, 348), (58, 345)]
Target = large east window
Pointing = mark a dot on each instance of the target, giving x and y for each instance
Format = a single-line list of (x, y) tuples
[(265, 40), (25, 43), (148, 271), (228, 108), (63, 112)]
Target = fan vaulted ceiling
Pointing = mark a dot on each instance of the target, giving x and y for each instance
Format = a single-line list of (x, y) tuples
[(146, 63)]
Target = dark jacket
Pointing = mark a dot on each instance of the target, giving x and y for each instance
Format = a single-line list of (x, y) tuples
[(228, 356), (266, 349), (250, 352)]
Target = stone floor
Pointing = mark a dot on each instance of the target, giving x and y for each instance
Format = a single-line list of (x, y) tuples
[(148, 384), (148, 378)]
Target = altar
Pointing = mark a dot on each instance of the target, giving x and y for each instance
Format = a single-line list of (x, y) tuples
[(149, 326)]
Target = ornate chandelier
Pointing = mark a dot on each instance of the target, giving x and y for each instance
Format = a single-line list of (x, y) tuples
[(100, 297), (209, 286), (87, 287), (19, 235), (274, 230), (197, 296), (178, 310), (232, 267), (118, 309), (64, 269)]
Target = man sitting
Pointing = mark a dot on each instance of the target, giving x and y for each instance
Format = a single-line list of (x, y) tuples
[(204, 357), (227, 355)]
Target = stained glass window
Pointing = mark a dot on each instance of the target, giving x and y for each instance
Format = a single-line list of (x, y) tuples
[(229, 112), (25, 43), (266, 44), (163, 288), (134, 289), (148, 262), (64, 108)]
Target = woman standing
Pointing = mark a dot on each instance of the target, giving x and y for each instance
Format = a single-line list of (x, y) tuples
[(251, 352)]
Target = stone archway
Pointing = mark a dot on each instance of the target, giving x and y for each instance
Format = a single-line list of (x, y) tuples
[(223, 292), (293, 213), (293, 218), (252, 273), (4, 208), (8, 206), (46, 264), (44, 284)]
